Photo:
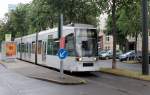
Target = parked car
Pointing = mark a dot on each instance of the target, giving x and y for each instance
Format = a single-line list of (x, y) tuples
[(131, 55), (140, 57), (101, 52), (106, 55)]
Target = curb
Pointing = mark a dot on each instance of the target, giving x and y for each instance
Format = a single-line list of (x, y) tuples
[(58, 82)]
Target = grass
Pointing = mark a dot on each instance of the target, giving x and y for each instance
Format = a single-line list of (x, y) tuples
[(131, 62), (126, 73)]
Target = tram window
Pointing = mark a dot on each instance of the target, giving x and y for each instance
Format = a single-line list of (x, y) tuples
[(39, 47), (22, 47), (56, 47), (50, 46), (33, 47), (26, 47), (70, 44), (18, 48), (85, 45), (45, 47)]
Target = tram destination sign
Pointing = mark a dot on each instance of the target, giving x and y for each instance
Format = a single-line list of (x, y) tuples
[(62, 42)]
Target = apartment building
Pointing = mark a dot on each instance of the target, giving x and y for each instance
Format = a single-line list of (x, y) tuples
[(139, 42)]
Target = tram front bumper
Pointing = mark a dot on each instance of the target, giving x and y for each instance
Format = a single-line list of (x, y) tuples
[(85, 67)]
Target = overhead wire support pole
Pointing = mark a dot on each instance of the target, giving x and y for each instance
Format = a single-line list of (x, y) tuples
[(60, 29), (36, 38), (61, 61), (145, 59), (114, 34)]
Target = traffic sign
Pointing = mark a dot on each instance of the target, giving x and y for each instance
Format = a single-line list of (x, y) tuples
[(62, 53), (7, 37)]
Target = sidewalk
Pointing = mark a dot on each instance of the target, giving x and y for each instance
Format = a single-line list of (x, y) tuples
[(38, 72)]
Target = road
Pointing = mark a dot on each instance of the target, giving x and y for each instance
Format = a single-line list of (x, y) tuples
[(98, 84), (134, 67), (123, 86)]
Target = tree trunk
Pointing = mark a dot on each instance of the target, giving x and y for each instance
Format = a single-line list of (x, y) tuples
[(114, 33), (126, 45)]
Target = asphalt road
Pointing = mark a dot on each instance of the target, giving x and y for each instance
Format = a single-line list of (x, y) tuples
[(134, 67), (98, 84), (112, 84)]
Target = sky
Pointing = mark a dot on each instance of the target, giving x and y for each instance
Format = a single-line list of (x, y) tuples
[(4, 5)]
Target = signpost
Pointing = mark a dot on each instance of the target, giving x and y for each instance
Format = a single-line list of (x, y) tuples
[(62, 54), (7, 37)]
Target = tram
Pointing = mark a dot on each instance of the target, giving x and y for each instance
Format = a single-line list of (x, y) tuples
[(80, 42)]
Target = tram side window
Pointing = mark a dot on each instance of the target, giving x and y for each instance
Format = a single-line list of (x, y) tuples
[(33, 47), (18, 47), (22, 47), (56, 47), (52, 47), (39, 47), (29, 47), (70, 45)]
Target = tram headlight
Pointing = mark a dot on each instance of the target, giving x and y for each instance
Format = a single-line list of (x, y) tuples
[(95, 59), (79, 59)]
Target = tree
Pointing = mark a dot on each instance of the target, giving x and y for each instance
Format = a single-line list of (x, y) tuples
[(126, 21)]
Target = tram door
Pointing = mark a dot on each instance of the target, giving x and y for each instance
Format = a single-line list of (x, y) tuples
[(43, 52)]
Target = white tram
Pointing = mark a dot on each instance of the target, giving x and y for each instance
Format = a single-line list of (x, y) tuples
[(80, 41)]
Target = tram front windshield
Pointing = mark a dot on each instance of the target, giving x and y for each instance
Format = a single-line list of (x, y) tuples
[(86, 42)]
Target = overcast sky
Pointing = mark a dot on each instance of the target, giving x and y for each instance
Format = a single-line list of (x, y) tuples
[(4, 5)]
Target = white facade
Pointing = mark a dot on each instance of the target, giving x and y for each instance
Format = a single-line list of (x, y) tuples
[(12, 7), (139, 43), (105, 41)]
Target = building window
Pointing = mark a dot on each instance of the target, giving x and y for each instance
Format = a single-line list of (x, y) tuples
[(106, 47), (107, 38)]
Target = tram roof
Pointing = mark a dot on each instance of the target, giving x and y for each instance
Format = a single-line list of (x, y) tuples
[(70, 26)]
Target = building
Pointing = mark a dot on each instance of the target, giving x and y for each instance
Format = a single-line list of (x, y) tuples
[(105, 41), (12, 7), (139, 42)]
